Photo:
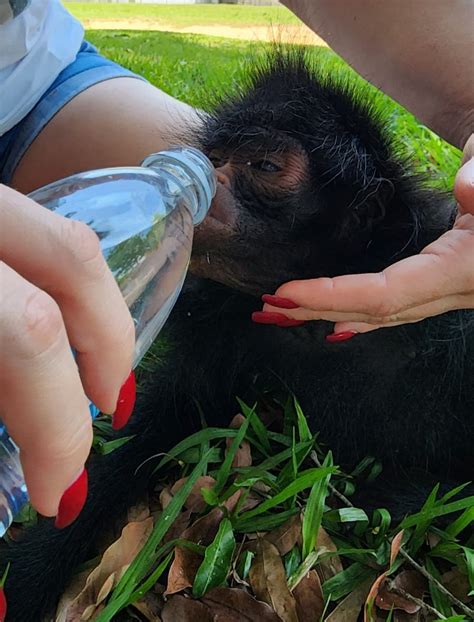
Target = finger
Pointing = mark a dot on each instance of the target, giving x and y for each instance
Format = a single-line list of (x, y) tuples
[(464, 187), (43, 402), (63, 257), (410, 316), (413, 281), (301, 313)]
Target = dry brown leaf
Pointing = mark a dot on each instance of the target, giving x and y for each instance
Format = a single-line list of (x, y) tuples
[(309, 598), (177, 528), (409, 581), (150, 606), (348, 610), (195, 501), (237, 422), (65, 611), (287, 535), (236, 605), (457, 583), (186, 562), (330, 566), (165, 497), (138, 512), (401, 616), (251, 501), (268, 581), (243, 455), (379, 581), (396, 546), (232, 501), (181, 609), (103, 578)]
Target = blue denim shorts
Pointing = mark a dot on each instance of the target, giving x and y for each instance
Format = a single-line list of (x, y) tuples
[(87, 69)]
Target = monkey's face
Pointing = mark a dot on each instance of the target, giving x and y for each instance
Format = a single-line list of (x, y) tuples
[(308, 185), (255, 236)]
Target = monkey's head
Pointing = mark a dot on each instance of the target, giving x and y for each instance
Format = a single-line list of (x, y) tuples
[(308, 184)]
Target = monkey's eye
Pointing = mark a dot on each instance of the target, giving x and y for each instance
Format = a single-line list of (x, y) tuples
[(266, 166)]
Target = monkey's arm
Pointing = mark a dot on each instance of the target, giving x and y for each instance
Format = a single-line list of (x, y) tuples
[(420, 53)]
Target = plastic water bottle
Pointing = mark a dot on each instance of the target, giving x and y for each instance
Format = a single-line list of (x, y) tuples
[(144, 217)]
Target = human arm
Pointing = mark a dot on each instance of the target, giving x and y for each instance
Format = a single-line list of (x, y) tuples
[(420, 53), (56, 292)]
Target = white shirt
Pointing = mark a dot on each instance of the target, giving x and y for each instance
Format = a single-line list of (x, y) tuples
[(38, 39)]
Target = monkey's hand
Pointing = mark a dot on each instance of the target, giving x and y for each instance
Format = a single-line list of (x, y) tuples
[(439, 279)]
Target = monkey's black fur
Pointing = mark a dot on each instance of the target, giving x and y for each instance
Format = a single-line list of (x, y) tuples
[(405, 395)]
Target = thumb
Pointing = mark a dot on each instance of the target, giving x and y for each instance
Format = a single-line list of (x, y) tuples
[(464, 182)]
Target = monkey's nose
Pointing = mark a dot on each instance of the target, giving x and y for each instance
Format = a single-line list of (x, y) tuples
[(223, 175)]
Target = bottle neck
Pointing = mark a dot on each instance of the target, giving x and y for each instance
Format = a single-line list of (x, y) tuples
[(195, 173)]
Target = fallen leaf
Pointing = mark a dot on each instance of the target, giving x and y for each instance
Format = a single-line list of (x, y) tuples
[(287, 535), (243, 455), (66, 612), (268, 581), (396, 546), (331, 566), (251, 501), (181, 609), (309, 598), (177, 528), (106, 588), (379, 581), (232, 501), (409, 581), (165, 497), (457, 583), (349, 609), (235, 605), (401, 616), (186, 562), (237, 421), (138, 512), (195, 501), (150, 606), (105, 576)]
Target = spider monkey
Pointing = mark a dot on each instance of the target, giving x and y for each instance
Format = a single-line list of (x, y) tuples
[(309, 185)]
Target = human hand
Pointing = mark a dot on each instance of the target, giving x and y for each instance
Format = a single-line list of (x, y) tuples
[(439, 279), (56, 293)]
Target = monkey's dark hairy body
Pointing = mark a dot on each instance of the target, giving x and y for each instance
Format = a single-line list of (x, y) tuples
[(405, 395)]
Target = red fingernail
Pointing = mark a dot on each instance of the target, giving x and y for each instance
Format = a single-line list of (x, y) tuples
[(336, 337), (125, 403), (268, 317), (276, 301), (72, 501)]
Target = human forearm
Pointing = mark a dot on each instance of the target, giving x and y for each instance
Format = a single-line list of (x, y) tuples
[(113, 123), (420, 53)]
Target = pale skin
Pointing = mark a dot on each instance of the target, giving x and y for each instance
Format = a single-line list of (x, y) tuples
[(44, 277)]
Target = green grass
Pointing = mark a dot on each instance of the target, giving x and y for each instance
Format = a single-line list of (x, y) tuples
[(299, 492), (186, 15)]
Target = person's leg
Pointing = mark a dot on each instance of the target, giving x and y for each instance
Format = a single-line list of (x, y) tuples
[(116, 122)]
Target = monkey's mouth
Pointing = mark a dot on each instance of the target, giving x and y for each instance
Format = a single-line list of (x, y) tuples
[(220, 223)]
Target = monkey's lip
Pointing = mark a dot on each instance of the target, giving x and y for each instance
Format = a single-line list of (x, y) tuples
[(222, 216), (210, 232)]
